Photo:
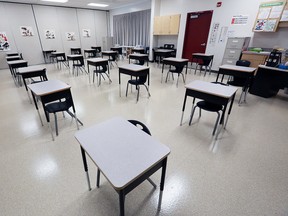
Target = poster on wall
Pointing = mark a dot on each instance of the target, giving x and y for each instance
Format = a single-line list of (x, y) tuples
[(268, 16), (223, 34), (26, 31), (214, 33), (86, 32), (239, 20), (4, 43), (70, 36), (49, 33)]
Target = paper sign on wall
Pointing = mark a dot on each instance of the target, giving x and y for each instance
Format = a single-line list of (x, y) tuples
[(49, 34), (70, 36), (4, 43), (86, 33), (239, 20), (26, 31), (214, 33)]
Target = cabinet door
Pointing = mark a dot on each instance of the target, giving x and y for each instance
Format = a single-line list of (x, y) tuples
[(157, 25), (235, 43), (165, 25), (174, 24)]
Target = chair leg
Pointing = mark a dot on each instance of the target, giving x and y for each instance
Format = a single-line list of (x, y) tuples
[(56, 125), (183, 78), (127, 88), (200, 112), (191, 117), (167, 77), (205, 71), (196, 68), (147, 90), (216, 123), (138, 88), (98, 178), (177, 80), (76, 120)]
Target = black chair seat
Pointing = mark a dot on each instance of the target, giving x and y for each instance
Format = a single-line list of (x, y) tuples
[(237, 82), (134, 82), (209, 106), (56, 107)]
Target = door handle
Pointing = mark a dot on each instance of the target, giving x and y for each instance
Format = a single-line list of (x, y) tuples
[(203, 44)]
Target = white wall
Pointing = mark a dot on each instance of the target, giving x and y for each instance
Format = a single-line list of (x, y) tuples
[(223, 16), (41, 18)]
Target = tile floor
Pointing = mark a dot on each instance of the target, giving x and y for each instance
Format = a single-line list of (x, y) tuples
[(245, 172)]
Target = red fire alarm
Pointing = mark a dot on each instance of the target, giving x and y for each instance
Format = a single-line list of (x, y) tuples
[(219, 4)]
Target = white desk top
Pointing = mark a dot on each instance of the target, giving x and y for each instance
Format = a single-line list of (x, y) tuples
[(85, 50), (238, 68), (16, 62), (74, 55), (202, 54), (55, 53), (138, 48), (108, 52), (48, 87), (97, 60), (10, 57), (163, 50), (176, 59), (212, 88), (133, 67), (272, 68), (138, 54), (30, 69), (120, 150)]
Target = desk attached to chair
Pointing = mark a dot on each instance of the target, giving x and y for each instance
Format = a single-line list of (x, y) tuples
[(124, 161), (210, 92)]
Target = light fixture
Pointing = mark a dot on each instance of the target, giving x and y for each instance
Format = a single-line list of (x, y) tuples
[(57, 1), (98, 5)]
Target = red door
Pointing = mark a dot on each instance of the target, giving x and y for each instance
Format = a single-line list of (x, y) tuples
[(196, 33)]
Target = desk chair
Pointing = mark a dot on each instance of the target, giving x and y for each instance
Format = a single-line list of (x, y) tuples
[(76, 51), (274, 58), (141, 80), (239, 81), (99, 72), (111, 59), (210, 107), (142, 127), (61, 59), (50, 106), (140, 62), (206, 61), (79, 64), (178, 70)]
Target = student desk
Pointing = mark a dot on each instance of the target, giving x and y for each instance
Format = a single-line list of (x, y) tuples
[(201, 57), (59, 57), (75, 50), (49, 91), (13, 58), (90, 53), (162, 53), (77, 61), (211, 92), (174, 62), (133, 70), (268, 81), (111, 54), (30, 72), (238, 71), (125, 161), (12, 54), (97, 62), (97, 48), (138, 50), (47, 54), (139, 57), (13, 66)]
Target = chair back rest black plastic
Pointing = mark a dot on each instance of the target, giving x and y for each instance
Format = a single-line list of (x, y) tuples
[(168, 46), (274, 59), (54, 97), (140, 125), (243, 63), (206, 60), (104, 67), (142, 79), (141, 62), (179, 69)]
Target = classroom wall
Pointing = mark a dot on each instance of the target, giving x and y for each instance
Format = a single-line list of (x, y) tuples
[(223, 16), (41, 18)]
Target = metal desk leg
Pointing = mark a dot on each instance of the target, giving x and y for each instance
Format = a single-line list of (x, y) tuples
[(121, 202), (164, 164), (85, 167)]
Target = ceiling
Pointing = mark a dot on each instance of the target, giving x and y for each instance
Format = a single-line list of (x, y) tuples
[(83, 3)]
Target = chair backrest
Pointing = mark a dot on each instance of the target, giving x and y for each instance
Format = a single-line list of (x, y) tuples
[(140, 125), (141, 62), (244, 63), (142, 79), (274, 58), (206, 60), (168, 46), (179, 69)]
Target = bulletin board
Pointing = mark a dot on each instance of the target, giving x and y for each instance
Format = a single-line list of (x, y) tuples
[(268, 16)]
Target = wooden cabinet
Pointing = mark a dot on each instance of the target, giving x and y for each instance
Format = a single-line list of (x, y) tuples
[(234, 48), (166, 25), (255, 58)]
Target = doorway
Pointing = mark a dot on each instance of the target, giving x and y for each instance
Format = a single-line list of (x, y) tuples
[(196, 33)]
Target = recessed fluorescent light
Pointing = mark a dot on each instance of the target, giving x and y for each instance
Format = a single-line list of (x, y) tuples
[(58, 1), (98, 5)]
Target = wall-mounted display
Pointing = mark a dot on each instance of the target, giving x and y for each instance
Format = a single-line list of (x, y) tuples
[(26, 31), (4, 43), (86, 32), (268, 16), (49, 33), (70, 36)]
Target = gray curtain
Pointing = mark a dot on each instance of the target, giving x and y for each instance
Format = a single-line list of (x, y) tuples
[(132, 28)]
